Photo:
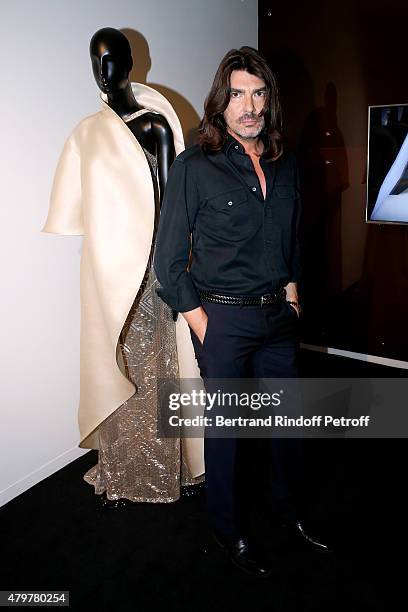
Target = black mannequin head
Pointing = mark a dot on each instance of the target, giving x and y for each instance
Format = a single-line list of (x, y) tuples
[(111, 60)]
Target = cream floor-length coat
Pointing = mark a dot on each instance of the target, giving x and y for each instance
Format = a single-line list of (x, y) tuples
[(103, 190)]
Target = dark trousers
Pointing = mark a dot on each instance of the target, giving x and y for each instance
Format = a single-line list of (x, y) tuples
[(247, 342)]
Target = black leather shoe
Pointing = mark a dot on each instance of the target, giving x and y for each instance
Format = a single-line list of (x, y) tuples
[(298, 530), (242, 556)]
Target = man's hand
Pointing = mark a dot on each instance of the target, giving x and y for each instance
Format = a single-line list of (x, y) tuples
[(292, 296), (291, 292), (295, 308), (197, 320)]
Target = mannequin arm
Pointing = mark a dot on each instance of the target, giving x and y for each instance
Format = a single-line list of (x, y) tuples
[(165, 150)]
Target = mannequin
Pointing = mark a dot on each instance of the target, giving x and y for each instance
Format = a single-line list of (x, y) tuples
[(111, 63), (108, 187)]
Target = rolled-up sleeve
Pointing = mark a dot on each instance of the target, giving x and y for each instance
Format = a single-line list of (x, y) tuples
[(173, 243), (296, 262)]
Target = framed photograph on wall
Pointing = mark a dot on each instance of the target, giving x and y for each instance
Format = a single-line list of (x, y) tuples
[(387, 176)]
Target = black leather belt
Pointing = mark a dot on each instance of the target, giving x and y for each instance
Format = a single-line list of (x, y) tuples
[(245, 300)]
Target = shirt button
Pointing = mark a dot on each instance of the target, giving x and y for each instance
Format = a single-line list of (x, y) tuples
[(253, 188), (236, 147), (229, 203)]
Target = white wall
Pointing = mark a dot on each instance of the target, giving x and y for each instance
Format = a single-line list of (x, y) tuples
[(47, 87)]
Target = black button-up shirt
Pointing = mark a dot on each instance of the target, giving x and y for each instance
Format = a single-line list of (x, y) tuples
[(218, 233)]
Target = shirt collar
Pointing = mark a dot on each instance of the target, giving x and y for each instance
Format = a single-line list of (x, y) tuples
[(232, 144)]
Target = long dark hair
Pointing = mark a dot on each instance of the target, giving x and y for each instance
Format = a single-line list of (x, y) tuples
[(212, 129)]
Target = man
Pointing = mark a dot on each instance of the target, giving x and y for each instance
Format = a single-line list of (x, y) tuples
[(227, 258)]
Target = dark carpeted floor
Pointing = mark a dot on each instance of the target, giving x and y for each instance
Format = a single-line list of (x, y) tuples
[(144, 557)]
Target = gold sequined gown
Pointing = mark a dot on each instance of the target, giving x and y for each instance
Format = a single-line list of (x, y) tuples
[(132, 462)]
